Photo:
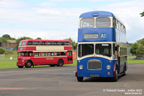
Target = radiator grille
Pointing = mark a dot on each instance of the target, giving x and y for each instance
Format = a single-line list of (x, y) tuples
[(94, 65), (19, 60)]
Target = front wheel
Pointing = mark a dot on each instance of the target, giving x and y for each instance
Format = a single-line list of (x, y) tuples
[(60, 63), (79, 79), (28, 64), (116, 75), (20, 66), (52, 65)]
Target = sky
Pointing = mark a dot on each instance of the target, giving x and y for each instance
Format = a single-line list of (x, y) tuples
[(58, 19)]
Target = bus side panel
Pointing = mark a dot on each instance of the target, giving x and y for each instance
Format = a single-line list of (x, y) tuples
[(122, 63)]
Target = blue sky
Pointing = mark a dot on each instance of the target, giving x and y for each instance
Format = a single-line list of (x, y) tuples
[(58, 19)]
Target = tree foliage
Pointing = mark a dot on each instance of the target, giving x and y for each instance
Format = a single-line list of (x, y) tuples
[(2, 50), (6, 36), (140, 50), (142, 14), (38, 38), (133, 49), (3, 40), (22, 38)]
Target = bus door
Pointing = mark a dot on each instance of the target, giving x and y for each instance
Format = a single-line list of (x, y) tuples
[(69, 57)]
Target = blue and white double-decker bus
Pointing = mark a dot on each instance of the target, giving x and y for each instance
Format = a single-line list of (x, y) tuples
[(102, 46)]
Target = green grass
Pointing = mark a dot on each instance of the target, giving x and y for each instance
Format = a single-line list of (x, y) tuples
[(12, 64), (135, 61)]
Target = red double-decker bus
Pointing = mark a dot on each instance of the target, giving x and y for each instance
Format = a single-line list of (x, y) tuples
[(44, 52)]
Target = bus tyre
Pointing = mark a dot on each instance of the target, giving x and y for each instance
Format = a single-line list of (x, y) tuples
[(28, 64), (124, 71), (52, 65), (20, 66), (60, 63), (79, 79), (116, 75)]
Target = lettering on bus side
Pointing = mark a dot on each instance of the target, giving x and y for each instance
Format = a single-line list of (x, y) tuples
[(103, 36)]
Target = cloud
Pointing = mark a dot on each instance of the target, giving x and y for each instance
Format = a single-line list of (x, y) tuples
[(60, 23), (47, 11), (129, 13)]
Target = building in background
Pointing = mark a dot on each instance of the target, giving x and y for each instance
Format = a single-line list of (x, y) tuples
[(9, 45), (128, 50), (74, 54)]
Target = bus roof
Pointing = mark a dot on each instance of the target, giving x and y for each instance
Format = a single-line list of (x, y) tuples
[(46, 40), (97, 14)]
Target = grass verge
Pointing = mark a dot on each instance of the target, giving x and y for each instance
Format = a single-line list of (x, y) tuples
[(12, 64)]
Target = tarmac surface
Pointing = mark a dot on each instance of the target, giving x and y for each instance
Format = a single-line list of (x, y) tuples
[(61, 81)]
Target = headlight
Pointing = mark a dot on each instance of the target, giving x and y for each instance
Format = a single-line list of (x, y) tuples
[(81, 67), (108, 67), (22, 60)]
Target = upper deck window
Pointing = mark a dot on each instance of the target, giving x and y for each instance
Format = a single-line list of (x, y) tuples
[(87, 23), (36, 43), (62, 43), (50, 43), (24, 43), (102, 22), (30, 43), (67, 43), (43, 43), (56, 43)]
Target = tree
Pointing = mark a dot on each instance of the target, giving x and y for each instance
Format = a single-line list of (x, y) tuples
[(141, 41), (38, 38), (3, 40), (6, 36), (134, 48), (22, 38), (140, 50), (129, 44), (12, 38), (142, 14), (2, 50)]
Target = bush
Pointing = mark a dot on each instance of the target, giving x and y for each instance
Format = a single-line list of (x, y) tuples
[(2, 50)]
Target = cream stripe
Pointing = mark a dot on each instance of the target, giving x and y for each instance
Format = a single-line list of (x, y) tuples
[(94, 55), (49, 48), (52, 51)]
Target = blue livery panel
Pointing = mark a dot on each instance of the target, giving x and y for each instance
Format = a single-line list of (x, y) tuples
[(101, 73), (104, 34)]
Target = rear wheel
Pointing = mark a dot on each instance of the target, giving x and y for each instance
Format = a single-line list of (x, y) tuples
[(124, 71), (20, 66), (28, 64), (60, 63), (79, 79)]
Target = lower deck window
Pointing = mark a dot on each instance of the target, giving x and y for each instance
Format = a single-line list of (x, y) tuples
[(85, 49), (103, 49)]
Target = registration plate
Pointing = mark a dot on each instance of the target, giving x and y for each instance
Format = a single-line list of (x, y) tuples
[(94, 75)]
